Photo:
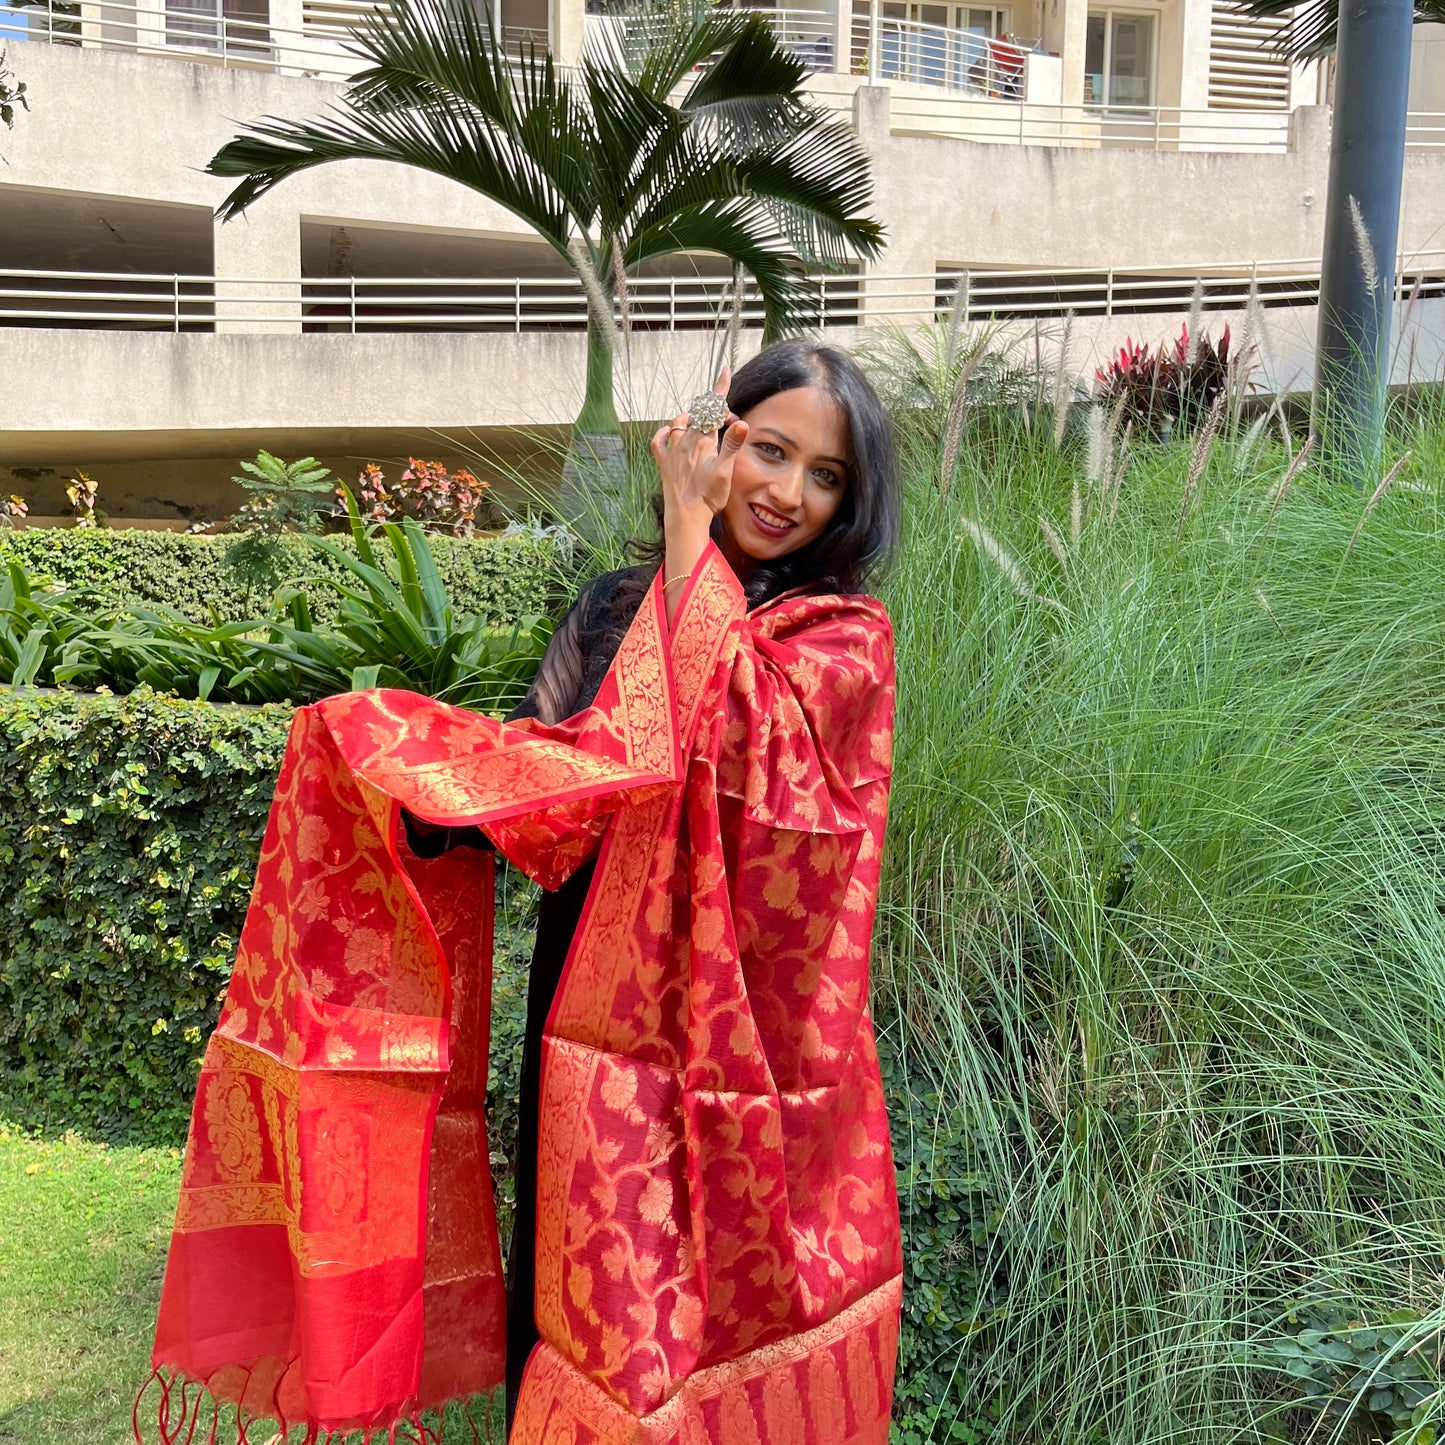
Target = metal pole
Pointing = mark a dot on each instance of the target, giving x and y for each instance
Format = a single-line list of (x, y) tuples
[(353, 305), (1362, 220)]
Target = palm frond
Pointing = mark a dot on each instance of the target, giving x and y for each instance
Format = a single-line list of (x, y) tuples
[(818, 185), (756, 79), (436, 138), (741, 230), (673, 52)]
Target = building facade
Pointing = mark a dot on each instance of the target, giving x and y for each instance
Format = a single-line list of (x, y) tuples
[(1047, 156)]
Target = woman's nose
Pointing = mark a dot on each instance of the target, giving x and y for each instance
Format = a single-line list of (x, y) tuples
[(787, 489)]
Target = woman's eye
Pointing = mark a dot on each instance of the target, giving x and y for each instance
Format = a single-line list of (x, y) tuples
[(827, 478), (769, 450)]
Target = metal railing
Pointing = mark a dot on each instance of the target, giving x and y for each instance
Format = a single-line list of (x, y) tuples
[(974, 88), (179, 303), (1154, 127), (227, 40), (938, 56), (808, 33), (351, 304), (991, 294)]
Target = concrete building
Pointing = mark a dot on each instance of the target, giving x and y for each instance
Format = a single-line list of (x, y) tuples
[(1050, 156)]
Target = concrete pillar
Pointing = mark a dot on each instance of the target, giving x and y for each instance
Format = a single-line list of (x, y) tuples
[(1190, 90), (1043, 80), (872, 116), (1069, 25), (146, 25), (883, 299), (565, 30), (840, 17), (287, 42), (1309, 134), (258, 270)]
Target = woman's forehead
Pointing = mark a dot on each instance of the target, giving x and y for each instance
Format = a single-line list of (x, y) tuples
[(806, 416)]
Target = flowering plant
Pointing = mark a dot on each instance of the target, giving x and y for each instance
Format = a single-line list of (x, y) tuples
[(438, 499), (82, 493), (1176, 385)]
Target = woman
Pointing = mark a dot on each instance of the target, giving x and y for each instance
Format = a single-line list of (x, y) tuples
[(712, 1199)]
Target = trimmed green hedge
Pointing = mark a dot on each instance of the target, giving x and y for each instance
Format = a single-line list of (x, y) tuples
[(500, 578), (129, 833)]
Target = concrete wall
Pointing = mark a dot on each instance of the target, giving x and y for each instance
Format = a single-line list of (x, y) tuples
[(949, 202), (128, 126)]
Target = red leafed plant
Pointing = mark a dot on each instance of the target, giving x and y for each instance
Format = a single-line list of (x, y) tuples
[(1168, 388), (440, 500)]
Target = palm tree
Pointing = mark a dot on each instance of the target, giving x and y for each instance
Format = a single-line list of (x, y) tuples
[(1313, 28), (602, 162)]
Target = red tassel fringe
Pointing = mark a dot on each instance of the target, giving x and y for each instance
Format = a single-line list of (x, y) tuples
[(177, 1421)]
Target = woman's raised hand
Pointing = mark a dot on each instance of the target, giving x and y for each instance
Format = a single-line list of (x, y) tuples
[(697, 474), (697, 479)]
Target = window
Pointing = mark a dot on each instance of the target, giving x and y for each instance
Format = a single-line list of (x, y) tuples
[(1119, 59)]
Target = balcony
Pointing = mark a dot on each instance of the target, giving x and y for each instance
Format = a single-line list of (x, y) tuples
[(942, 81)]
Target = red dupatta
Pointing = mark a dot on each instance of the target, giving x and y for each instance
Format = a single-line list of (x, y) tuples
[(718, 1254)]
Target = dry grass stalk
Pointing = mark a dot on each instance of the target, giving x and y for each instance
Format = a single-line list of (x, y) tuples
[(953, 331), (1196, 312), (1269, 611), (1369, 266), (1199, 459), (1119, 464), (735, 318), (953, 426), (1281, 487), (1375, 498), (1094, 454), (1063, 384), (1076, 513), (1056, 542), (1006, 563)]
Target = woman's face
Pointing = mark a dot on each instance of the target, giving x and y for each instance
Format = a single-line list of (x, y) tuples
[(789, 479)]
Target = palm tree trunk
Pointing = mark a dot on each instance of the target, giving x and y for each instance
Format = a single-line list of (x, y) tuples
[(594, 475)]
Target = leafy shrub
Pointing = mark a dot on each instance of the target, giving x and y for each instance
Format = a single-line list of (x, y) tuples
[(128, 842), (1385, 1377), (441, 501), (220, 579), (12, 93), (282, 496), (83, 493), (1174, 386), (405, 635)]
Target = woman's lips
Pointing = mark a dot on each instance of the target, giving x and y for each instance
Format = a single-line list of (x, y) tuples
[(767, 528)]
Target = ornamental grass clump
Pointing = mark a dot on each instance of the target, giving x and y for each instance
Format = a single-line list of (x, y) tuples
[(1162, 953)]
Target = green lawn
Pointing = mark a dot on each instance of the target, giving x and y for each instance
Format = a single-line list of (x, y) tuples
[(83, 1230)]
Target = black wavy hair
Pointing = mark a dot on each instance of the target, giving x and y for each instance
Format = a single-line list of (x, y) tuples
[(860, 540)]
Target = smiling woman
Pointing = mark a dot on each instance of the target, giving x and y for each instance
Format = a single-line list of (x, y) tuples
[(706, 1240)]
